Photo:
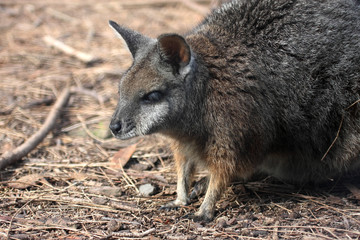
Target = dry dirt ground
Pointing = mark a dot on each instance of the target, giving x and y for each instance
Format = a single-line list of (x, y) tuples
[(73, 186)]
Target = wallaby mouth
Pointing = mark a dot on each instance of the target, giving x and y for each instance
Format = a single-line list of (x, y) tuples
[(123, 129)]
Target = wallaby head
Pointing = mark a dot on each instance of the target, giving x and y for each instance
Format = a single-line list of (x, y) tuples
[(152, 91)]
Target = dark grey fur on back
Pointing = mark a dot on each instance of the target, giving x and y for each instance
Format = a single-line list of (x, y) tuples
[(298, 63)]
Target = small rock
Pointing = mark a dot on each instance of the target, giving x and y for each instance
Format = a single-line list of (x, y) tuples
[(106, 191), (222, 221), (258, 233), (294, 215), (141, 167), (232, 221), (114, 226), (268, 221), (147, 190)]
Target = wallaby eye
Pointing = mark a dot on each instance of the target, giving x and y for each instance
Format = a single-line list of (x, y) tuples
[(152, 97)]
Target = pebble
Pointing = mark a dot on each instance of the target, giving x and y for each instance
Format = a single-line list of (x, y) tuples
[(147, 190)]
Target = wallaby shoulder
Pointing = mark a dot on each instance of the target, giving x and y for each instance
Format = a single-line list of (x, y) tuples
[(279, 78)]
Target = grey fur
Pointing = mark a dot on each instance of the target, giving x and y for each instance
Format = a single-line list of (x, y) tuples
[(267, 86)]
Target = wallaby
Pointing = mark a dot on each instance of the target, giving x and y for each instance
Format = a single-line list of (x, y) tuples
[(267, 86)]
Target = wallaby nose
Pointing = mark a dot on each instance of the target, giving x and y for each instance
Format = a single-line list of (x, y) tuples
[(115, 127)]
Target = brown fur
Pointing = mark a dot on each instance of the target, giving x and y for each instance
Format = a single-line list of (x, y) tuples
[(260, 85)]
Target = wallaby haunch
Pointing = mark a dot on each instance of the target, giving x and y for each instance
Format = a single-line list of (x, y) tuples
[(259, 86)]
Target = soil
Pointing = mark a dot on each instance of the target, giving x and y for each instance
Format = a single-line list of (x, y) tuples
[(80, 183)]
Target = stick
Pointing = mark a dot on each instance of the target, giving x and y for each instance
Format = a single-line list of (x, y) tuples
[(8, 110), (124, 206), (91, 93), (60, 15), (340, 126), (133, 234), (275, 233), (335, 139), (9, 158), (86, 58), (44, 101)]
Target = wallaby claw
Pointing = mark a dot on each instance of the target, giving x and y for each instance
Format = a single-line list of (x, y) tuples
[(169, 206), (173, 205)]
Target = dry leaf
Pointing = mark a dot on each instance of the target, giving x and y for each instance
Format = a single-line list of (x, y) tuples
[(120, 158), (26, 181)]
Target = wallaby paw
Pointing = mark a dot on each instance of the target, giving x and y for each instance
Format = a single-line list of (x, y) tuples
[(200, 217), (200, 188), (173, 205)]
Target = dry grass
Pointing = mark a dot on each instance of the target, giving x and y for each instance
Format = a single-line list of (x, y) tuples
[(67, 188)]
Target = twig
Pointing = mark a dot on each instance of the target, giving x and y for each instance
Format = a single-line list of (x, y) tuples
[(85, 57), (338, 132), (91, 93), (335, 139), (343, 212), (71, 165), (275, 233), (44, 101), (133, 234), (107, 177), (88, 132), (268, 228), (70, 202), (16, 213), (61, 16), (77, 125), (123, 206), (11, 157), (8, 110), (128, 179)]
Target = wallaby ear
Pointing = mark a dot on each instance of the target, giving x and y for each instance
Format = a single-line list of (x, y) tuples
[(133, 39), (174, 49)]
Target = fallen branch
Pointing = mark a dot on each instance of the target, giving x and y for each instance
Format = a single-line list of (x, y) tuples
[(276, 230), (124, 206), (9, 158), (91, 93), (44, 101), (133, 234), (8, 110), (85, 57)]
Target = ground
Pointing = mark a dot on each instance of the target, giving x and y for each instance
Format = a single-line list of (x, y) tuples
[(80, 183)]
